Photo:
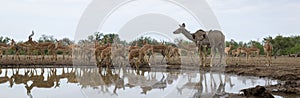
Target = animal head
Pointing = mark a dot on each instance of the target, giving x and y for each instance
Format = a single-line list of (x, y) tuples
[(57, 44), (30, 41), (180, 29), (12, 42), (267, 40), (145, 42), (199, 35)]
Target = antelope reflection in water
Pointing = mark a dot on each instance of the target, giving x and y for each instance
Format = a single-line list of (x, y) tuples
[(103, 78), (5, 78), (203, 90), (146, 83), (51, 80), (162, 84), (39, 82), (106, 78), (19, 78), (116, 81)]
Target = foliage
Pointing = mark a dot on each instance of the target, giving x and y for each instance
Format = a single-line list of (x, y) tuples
[(101, 38), (286, 45), (4, 40), (281, 45), (46, 38), (140, 41), (66, 41)]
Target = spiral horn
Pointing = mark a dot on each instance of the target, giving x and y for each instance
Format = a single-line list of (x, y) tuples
[(30, 36)]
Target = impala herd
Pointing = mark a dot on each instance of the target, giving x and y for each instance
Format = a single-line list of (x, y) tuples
[(30, 47), (252, 50), (104, 54)]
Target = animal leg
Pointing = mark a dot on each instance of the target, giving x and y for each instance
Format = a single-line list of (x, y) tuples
[(221, 55), (191, 55), (213, 55), (162, 59), (200, 56)]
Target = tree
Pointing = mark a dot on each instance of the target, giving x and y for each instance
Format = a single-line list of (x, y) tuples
[(112, 38), (285, 45), (91, 38), (241, 43), (295, 49), (46, 38), (4, 40), (98, 36), (149, 40), (66, 41)]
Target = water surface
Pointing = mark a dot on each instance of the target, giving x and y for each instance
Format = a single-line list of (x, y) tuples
[(126, 82)]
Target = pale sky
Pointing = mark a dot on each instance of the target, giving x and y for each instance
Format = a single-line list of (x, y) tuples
[(241, 20)]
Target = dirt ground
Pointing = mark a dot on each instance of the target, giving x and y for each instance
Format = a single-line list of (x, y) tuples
[(285, 69), (8, 61)]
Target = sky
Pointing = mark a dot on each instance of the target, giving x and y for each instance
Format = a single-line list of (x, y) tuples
[(241, 20)]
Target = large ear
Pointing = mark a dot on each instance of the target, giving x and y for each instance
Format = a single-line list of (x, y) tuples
[(183, 25)]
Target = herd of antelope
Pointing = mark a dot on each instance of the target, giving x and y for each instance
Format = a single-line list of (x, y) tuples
[(30, 47), (137, 55), (252, 50), (105, 54)]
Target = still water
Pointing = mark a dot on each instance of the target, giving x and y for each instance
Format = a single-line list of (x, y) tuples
[(126, 82)]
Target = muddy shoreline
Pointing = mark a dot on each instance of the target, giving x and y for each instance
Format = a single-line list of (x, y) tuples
[(289, 77), (284, 69)]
